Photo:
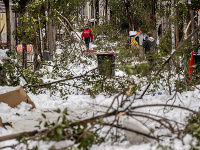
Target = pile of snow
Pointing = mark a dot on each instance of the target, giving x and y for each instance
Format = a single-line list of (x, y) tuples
[(3, 55), (83, 106), (6, 89), (135, 125)]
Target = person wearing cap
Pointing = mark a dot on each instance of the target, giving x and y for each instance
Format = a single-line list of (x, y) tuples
[(87, 34)]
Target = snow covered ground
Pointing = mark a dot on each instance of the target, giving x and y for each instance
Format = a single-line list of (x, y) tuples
[(23, 118), (80, 106)]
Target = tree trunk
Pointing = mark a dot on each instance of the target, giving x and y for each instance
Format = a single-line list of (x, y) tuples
[(129, 14), (22, 4), (54, 37), (172, 26), (50, 33), (41, 41), (47, 28), (59, 33), (153, 20), (24, 45), (6, 2), (195, 39), (35, 52), (176, 26), (106, 12), (24, 54)]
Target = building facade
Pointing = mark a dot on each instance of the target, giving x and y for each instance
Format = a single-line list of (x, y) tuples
[(94, 12), (3, 24)]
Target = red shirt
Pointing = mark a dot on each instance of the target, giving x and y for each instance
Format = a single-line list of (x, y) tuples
[(87, 33)]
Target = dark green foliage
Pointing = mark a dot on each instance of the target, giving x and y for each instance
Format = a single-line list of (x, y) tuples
[(142, 69), (62, 130), (9, 72), (193, 128), (108, 32), (161, 147), (166, 39), (3, 77)]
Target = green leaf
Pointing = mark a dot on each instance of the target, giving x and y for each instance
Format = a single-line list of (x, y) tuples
[(37, 126), (58, 119), (19, 138), (101, 121), (129, 69), (58, 110), (59, 131), (152, 130), (65, 111), (44, 116), (36, 148), (46, 124)]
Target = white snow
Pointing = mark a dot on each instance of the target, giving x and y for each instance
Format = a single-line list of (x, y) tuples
[(81, 106), (23, 118)]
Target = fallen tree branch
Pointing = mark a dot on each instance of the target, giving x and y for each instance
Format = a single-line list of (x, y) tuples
[(71, 28), (166, 105), (70, 33), (34, 133), (90, 120), (65, 27), (170, 57), (62, 80), (160, 121), (13, 136)]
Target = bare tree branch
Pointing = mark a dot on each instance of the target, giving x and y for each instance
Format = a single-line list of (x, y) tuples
[(170, 57), (58, 81)]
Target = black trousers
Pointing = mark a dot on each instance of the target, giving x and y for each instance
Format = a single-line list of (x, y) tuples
[(87, 42)]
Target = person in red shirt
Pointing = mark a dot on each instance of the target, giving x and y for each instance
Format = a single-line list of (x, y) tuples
[(87, 34)]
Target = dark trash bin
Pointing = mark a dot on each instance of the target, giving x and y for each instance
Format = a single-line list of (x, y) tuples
[(196, 60), (46, 55), (106, 63)]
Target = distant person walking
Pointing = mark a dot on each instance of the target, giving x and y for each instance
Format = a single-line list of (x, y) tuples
[(149, 45), (87, 34)]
